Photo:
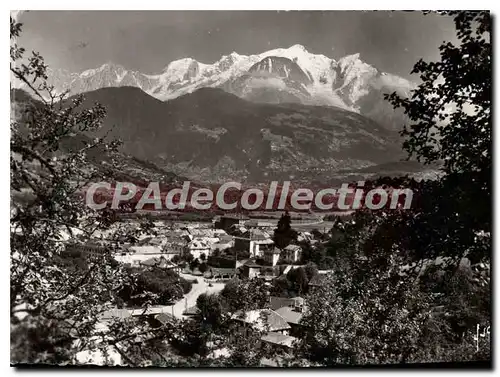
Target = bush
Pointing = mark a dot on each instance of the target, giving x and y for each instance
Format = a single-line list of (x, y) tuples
[(203, 267), (166, 285)]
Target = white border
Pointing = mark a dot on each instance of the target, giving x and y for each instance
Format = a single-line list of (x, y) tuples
[(197, 5)]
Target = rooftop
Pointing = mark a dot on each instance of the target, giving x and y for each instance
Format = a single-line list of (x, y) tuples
[(293, 247), (280, 302), (263, 319), (251, 264), (165, 318), (145, 249), (290, 315), (198, 244), (115, 313), (160, 262), (148, 311), (279, 339), (237, 216), (257, 234)]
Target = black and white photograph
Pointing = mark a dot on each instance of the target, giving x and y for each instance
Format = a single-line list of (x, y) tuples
[(250, 189)]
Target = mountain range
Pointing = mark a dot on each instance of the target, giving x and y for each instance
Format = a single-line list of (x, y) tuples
[(214, 136), (280, 75), (285, 114)]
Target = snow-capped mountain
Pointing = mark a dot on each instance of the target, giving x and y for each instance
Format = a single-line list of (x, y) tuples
[(281, 75)]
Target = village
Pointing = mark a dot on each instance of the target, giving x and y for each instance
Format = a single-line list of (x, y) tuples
[(209, 255)]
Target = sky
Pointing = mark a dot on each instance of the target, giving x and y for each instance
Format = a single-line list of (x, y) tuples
[(147, 41)]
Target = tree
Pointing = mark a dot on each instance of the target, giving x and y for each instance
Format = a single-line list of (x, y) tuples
[(194, 264), (379, 305), (154, 287), (284, 234), (368, 318), (450, 115), (212, 308), (245, 294), (311, 270), (203, 267), (55, 307), (178, 260), (299, 280)]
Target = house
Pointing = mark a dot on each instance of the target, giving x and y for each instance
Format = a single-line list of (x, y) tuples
[(263, 320), (317, 282), (201, 233), (279, 340), (135, 255), (280, 302), (251, 269), (160, 262), (161, 319), (170, 249), (221, 273), (272, 256), (237, 230), (225, 242), (293, 315), (254, 223), (154, 241), (227, 220), (197, 247), (88, 249), (305, 236), (292, 253), (255, 241)]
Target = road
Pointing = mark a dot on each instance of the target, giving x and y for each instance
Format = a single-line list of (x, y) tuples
[(190, 298)]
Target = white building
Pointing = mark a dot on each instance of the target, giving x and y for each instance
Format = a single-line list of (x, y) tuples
[(134, 255), (197, 247), (292, 252), (271, 256)]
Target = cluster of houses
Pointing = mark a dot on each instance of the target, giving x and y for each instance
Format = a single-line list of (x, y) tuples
[(279, 323), (250, 237)]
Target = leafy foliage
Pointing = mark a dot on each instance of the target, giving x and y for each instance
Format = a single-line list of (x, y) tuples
[(400, 291), (56, 302), (450, 115), (363, 319), (154, 286), (245, 294)]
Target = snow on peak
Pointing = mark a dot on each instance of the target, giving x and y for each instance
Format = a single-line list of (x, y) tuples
[(340, 83), (180, 70), (109, 66), (298, 47), (317, 67), (178, 64), (349, 61)]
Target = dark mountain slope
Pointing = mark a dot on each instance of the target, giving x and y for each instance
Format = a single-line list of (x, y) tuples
[(214, 136), (130, 168)]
